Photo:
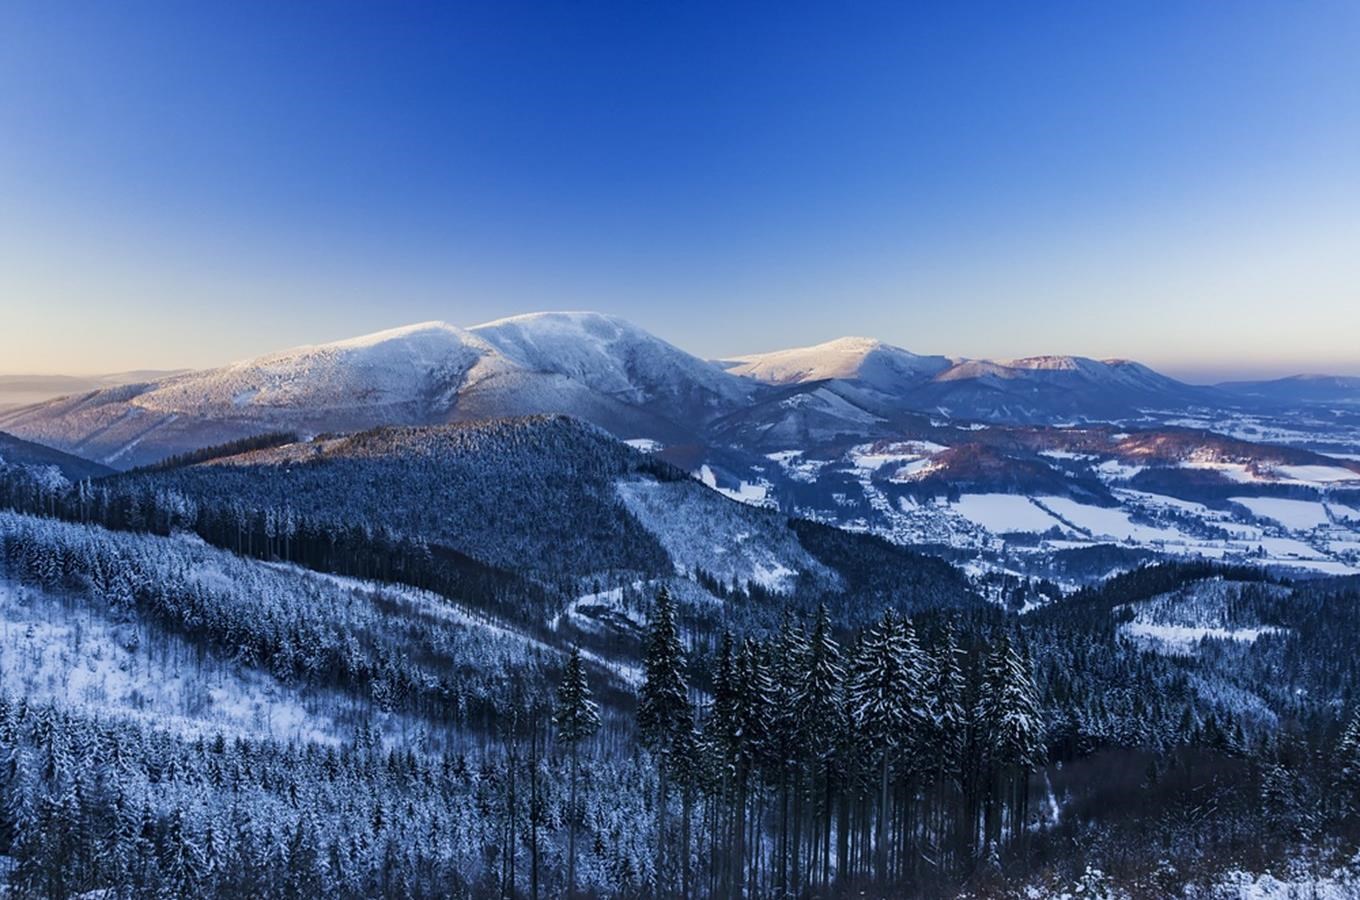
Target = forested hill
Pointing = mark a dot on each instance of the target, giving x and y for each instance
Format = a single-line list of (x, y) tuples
[(18, 452), (533, 494), (188, 706), (522, 516)]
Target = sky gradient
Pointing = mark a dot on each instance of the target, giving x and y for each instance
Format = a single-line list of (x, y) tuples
[(182, 185)]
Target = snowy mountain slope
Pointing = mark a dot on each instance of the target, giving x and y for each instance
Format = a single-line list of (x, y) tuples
[(1054, 388), (173, 631), (615, 358), (805, 416), (876, 364), (531, 495), (596, 367), (395, 377), (606, 371), (1031, 389), (26, 390), (702, 531), (16, 452), (403, 367), (523, 514)]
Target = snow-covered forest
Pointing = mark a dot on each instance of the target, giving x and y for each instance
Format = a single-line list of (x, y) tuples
[(209, 688)]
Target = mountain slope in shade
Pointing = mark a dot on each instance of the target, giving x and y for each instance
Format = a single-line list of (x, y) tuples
[(17, 452), (1307, 389), (1049, 388), (594, 367)]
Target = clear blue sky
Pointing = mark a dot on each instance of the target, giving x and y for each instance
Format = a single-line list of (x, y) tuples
[(183, 184)]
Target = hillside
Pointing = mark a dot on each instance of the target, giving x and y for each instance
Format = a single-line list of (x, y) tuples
[(534, 495), (595, 367), (17, 452)]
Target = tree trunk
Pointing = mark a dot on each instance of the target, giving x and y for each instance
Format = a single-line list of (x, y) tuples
[(662, 787), (687, 807), (795, 877), (881, 843), (571, 825)]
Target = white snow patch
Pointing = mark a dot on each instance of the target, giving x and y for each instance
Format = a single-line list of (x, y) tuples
[(999, 513), (1318, 474), (745, 491), (1296, 515), (1181, 640), (1110, 522)]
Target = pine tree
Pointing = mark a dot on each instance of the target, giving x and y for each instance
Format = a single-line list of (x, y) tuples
[(821, 713), (577, 717), (1012, 732), (719, 746), (789, 661), (947, 724), (665, 718), (884, 707)]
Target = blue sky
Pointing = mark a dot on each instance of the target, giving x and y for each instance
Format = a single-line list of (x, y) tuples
[(186, 184)]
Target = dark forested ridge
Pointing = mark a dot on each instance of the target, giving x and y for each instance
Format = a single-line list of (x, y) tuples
[(17, 452), (465, 662)]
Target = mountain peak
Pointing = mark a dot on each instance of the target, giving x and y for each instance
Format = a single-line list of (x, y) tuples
[(387, 335), (571, 317), (1048, 363), (849, 358)]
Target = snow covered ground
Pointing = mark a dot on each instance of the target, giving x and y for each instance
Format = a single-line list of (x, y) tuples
[(753, 493), (702, 531), (1181, 640), (1339, 884), (1001, 513), (1297, 515), (62, 650), (875, 492)]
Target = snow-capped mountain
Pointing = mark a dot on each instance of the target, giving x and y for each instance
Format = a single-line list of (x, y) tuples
[(613, 357), (611, 373), (875, 364), (1031, 389), (1048, 388), (598, 368)]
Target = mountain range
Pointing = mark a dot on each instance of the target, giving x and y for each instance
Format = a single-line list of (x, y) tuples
[(1017, 461), (609, 372)]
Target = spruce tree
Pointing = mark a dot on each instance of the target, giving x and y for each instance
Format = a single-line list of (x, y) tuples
[(577, 717), (664, 715), (820, 706), (884, 704), (1012, 729)]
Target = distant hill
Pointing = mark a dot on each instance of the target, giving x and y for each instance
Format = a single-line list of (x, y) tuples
[(1297, 389), (15, 451)]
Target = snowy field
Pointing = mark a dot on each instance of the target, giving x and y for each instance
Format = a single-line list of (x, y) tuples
[(1296, 515), (1000, 513)]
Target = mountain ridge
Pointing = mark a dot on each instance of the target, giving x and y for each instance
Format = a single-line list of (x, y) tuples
[(604, 370)]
